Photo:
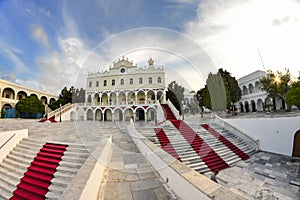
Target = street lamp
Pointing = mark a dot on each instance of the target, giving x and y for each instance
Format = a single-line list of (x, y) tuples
[(60, 112)]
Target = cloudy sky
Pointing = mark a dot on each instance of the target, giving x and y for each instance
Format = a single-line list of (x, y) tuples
[(51, 44)]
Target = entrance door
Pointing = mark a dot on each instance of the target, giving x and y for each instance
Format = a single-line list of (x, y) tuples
[(296, 147), (141, 114)]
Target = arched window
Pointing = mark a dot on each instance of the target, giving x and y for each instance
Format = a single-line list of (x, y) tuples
[(104, 83), (159, 80), (122, 81), (140, 80), (131, 81), (150, 80), (113, 82), (97, 83)]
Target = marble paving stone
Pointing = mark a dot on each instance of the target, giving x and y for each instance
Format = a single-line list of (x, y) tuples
[(130, 166), (144, 195), (146, 175), (144, 184)]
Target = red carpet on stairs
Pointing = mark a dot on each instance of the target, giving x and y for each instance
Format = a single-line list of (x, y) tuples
[(34, 185), (207, 154), (165, 143), (226, 142), (168, 113)]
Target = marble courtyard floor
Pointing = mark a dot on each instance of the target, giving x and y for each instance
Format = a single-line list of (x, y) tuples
[(263, 176)]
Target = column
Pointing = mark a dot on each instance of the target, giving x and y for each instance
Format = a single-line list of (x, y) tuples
[(136, 102)]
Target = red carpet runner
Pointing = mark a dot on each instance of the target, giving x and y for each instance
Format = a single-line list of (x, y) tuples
[(34, 185), (165, 143), (207, 154), (226, 142), (168, 113)]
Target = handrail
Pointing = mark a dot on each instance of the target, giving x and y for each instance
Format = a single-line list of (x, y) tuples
[(173, 109), (7, 140), (59, 110), (239, 132), (160, 113)]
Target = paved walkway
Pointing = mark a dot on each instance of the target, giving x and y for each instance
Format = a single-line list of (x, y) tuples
[(265, 175), (128, 175)]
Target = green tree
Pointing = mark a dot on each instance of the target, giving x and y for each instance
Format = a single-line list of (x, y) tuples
[(30, 105), (175, 95), (232, 86), (293, 95), (276, 85), (220, 92), (79, 96), (71, 95)]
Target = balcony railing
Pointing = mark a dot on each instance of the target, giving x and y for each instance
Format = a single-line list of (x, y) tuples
[(148, 102)]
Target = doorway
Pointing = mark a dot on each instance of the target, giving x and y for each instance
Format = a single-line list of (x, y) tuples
[(296, 147)]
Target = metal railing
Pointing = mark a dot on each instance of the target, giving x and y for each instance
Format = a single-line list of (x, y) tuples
[(61, 110), (247, 138), (7, 141)]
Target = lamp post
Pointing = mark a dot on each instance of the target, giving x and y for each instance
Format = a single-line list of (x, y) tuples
[(60, 112)]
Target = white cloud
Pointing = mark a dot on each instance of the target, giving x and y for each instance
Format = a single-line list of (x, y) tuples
[(60, 69), (231, 32), (11, 53), (182, 57), (38, 33)]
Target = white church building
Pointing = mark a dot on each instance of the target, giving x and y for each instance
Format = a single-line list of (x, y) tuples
[(123, 92), (253, 98)]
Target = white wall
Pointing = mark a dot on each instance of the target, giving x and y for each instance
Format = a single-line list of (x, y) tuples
[(275, 134), (10, 139)]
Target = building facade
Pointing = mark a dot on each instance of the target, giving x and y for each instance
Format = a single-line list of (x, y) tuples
[(11, 93), (253, 99), (122, 92)]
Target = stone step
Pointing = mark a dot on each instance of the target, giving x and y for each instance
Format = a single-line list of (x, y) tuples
[(20, 157), (6, 189), (37, 148), (68, 156), (16, 163)]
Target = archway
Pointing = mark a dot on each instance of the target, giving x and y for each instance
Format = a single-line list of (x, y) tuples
[(118, 115), (98, 115), (296, 146), (104, 99), (34, 95), (8, 93), (260, 105), (21, 95), (241, 107), (251, 88), (128, 114), (151, 114), (246, 106), (97, 99), (140, 114), (141, 97), (150, 97), (253, 106), (72, 116), (80, 114), (89, 114), (122, 98), (107, 115), (44, 100)]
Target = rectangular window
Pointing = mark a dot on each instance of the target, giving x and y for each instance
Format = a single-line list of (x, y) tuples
[(90, 84)]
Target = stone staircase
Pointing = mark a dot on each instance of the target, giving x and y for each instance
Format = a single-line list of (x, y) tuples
[(187, 154), (203, 150), (14, 166)]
